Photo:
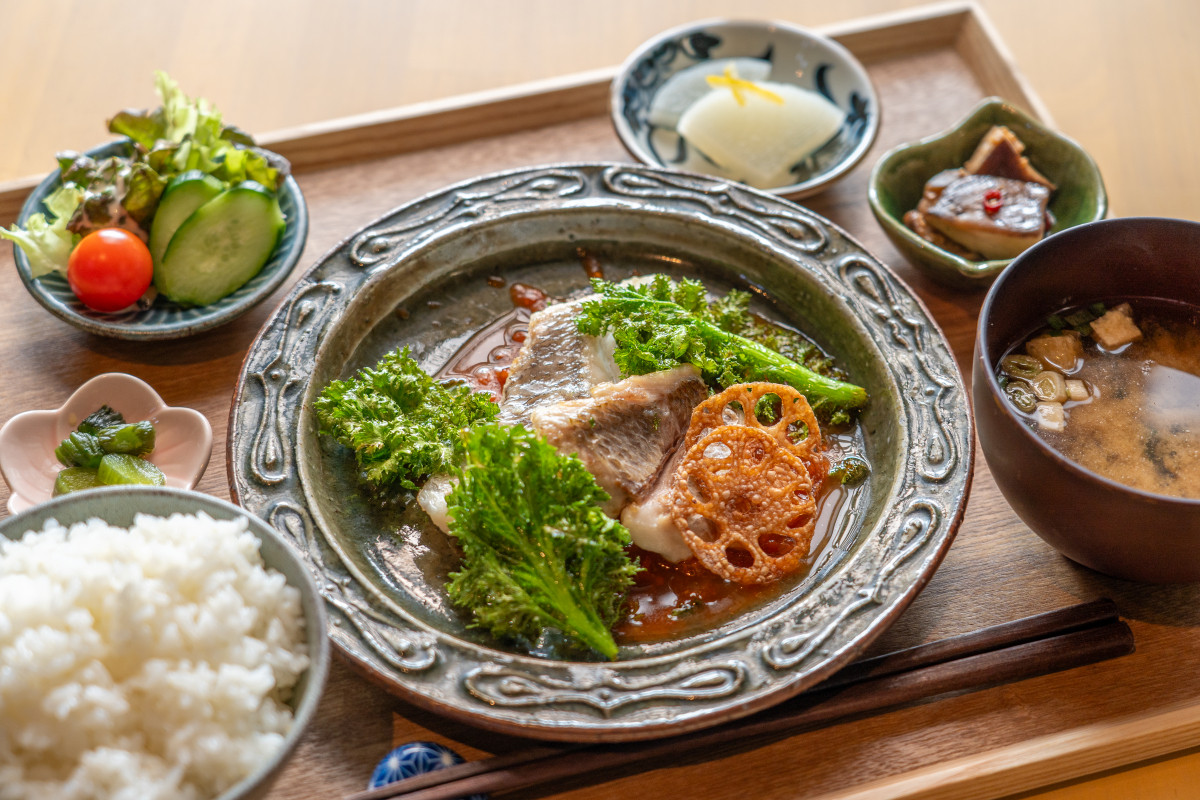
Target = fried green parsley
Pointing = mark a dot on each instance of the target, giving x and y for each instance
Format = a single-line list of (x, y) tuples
[(538, 553), (402, 425), (660, 324)]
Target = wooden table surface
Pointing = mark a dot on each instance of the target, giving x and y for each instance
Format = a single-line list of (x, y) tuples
[(1111, 74)]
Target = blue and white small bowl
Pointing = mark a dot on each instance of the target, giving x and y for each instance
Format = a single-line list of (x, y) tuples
[(796, 56), (164, 319)]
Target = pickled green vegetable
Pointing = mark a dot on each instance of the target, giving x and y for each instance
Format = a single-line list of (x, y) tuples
[(80, 450), (120, 468), (135, 439), (102, 417), (73, 479)]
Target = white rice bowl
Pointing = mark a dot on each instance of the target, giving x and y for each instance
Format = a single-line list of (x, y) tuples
[(153, 662)]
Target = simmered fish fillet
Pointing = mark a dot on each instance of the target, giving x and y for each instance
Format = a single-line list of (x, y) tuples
[(556, 363), (624, 432), (650, 521)]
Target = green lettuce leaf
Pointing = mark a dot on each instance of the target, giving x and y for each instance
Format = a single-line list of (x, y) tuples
[(117, 192), (45, 240), (187, 133)]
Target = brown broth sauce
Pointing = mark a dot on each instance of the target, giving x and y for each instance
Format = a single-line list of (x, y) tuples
[(1141, 426), (483, 361)]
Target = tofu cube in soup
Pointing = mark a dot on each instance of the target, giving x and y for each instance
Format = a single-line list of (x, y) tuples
[(1060, 350), (1116, 328), (1050, 416)]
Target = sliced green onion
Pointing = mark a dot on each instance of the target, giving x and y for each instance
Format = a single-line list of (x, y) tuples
[(1021, 396), (1018, 366)]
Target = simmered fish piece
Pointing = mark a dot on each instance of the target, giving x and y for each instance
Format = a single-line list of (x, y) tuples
[(624, 432), (650, 521), (995, 217), (432, 499), (557, 363)]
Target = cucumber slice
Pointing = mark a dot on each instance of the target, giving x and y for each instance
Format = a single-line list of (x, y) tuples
[(184, 194), (122, 468), (73, 479), (223, 244)]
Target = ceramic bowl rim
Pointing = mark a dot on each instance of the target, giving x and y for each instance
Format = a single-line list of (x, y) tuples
[(170, 330), (792, 191), (973, 270), (984, 361)]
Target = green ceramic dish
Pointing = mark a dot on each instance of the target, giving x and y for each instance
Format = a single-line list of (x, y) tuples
[(900, 175), (418, 277)]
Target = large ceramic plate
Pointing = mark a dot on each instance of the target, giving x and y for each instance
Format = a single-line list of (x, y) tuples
[(164, 319), (418, 276)]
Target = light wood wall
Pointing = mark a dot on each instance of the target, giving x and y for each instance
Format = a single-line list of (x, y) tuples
[(1114, 74)]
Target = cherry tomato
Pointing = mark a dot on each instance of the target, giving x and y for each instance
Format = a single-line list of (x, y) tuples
[(109, 269)]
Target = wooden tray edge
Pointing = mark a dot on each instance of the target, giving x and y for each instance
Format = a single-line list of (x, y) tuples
[(559, 100), (1041, 762)]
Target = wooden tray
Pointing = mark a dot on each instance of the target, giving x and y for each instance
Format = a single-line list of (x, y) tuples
[(930, 67)]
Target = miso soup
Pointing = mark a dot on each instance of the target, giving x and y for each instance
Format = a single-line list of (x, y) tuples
[(1115, 387)]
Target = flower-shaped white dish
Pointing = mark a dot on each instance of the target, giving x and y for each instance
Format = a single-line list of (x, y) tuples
[(183, 437)]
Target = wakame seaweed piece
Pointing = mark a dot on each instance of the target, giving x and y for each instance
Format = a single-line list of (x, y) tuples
[(1081, 317), (103, 417), (80, 450), (135, 439)]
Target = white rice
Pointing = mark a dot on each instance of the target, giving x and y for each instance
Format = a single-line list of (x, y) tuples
[(142, 664)]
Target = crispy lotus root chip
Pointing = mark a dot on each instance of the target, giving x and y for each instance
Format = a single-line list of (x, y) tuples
[(795, 427), (744, 505)]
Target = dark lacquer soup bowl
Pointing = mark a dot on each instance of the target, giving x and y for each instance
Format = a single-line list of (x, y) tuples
[(1103, 524), (430, 275)]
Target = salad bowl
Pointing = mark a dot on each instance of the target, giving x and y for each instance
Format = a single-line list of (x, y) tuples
[(163, 319), (425, 276)]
